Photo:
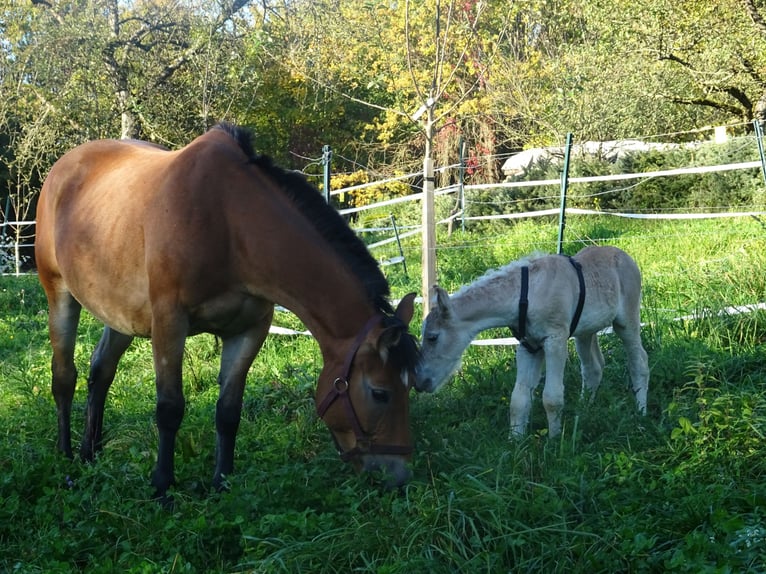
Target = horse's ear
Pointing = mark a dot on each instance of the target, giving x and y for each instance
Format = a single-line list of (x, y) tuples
[(440, 300), (406, 308), (391, 336)]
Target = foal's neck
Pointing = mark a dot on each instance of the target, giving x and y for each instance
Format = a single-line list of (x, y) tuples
[(490, 302)]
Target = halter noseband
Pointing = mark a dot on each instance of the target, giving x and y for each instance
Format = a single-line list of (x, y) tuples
[(339, 390)]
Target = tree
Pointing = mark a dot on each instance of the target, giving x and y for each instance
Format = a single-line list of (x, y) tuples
[(128, 52), (376, 62), (74, 70), (623, 68)]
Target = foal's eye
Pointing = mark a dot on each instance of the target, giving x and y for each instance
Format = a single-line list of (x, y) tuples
[(380, 396), (432, 337)]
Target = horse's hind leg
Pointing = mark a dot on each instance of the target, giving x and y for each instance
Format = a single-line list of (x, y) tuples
[(591, 363), (63, 318), (103, 366), (237, 355), (638, 361)]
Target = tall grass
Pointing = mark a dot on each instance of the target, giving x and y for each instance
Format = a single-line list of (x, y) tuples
[(680, 490)]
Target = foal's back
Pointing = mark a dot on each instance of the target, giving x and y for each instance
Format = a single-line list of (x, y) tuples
[(613, 287)]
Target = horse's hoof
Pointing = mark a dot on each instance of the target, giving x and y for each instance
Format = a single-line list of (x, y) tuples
[(166, 501)]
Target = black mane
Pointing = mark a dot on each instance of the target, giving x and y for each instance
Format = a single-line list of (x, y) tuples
[(325, 218)]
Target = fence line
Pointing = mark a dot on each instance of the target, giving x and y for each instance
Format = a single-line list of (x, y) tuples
[(557, 182), (452, 188)]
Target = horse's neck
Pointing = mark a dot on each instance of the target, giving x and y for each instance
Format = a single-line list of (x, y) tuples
[(334, 309), (487, 304), (333, 312)]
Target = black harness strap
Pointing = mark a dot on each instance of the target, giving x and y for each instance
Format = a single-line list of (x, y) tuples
[(520, 333), (581, 298)]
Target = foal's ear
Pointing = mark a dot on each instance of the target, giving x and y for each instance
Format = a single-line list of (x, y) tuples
[(440, 299), (406, 308)]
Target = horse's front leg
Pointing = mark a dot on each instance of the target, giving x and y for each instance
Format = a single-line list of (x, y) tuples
[(528, 368), (103, 366), (169, 333), (237, 355), (555, 348)]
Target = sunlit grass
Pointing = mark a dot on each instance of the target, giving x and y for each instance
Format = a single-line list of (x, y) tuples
[(680, 490)]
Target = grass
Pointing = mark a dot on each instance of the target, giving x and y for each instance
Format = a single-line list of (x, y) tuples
[(680, 490)]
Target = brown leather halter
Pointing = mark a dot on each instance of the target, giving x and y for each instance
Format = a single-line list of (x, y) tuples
[(339, 390)]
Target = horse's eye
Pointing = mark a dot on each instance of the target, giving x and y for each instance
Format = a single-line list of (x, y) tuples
[(380, 396), (432, 337)]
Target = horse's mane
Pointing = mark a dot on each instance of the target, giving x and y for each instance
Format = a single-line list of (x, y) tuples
[(324, 217)]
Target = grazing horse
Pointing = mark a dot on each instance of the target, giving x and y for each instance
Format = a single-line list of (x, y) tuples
[(167, 244), (544, 300)]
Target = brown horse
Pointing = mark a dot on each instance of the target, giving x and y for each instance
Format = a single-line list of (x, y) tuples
[(167, 244)]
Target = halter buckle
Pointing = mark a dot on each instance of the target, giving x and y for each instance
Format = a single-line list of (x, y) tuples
[(340, 385)]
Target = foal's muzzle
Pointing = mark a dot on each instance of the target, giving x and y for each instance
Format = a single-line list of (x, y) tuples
[(423, 382)]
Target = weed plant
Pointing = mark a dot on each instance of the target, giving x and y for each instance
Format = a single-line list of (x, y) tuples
[(682, 489)]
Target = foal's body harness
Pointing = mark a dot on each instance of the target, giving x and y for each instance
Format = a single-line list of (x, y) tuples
[(520, 333)]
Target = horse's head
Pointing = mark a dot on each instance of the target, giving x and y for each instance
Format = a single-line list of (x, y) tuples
[(442, 345), (367, 405)]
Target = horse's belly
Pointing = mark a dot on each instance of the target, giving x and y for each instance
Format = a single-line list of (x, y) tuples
[(229, 313), (117, 299), (123, 311)]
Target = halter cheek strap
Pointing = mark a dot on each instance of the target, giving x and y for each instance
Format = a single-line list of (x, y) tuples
[(339, 391), (520, 333)]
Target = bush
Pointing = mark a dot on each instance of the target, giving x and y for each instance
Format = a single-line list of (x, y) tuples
[(719, 190)]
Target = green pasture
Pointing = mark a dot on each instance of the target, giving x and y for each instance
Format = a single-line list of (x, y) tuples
[(682, 489)]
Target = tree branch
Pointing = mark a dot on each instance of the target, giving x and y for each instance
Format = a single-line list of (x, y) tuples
[(739, 112), (755, 16), (48, 6)]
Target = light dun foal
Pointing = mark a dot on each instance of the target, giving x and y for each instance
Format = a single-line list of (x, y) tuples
[(544, 300)]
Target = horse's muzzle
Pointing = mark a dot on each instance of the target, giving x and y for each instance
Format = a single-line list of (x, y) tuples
[(392, 469)]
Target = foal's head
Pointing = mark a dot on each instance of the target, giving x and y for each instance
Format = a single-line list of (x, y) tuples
[(442, 345)]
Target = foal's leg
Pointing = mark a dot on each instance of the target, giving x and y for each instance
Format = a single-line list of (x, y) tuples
[(528, 369), (63, 317), (591, 364), (638, 361), (237, 355), (103, 366), (555, 348)]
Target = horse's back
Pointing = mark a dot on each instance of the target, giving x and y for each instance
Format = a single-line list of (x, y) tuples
[(86, 186)]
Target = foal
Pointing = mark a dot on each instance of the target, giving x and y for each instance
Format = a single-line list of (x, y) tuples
[(544, 300)]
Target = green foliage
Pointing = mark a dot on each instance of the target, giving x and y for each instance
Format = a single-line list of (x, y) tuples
[(727, 190), (366, 195)]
